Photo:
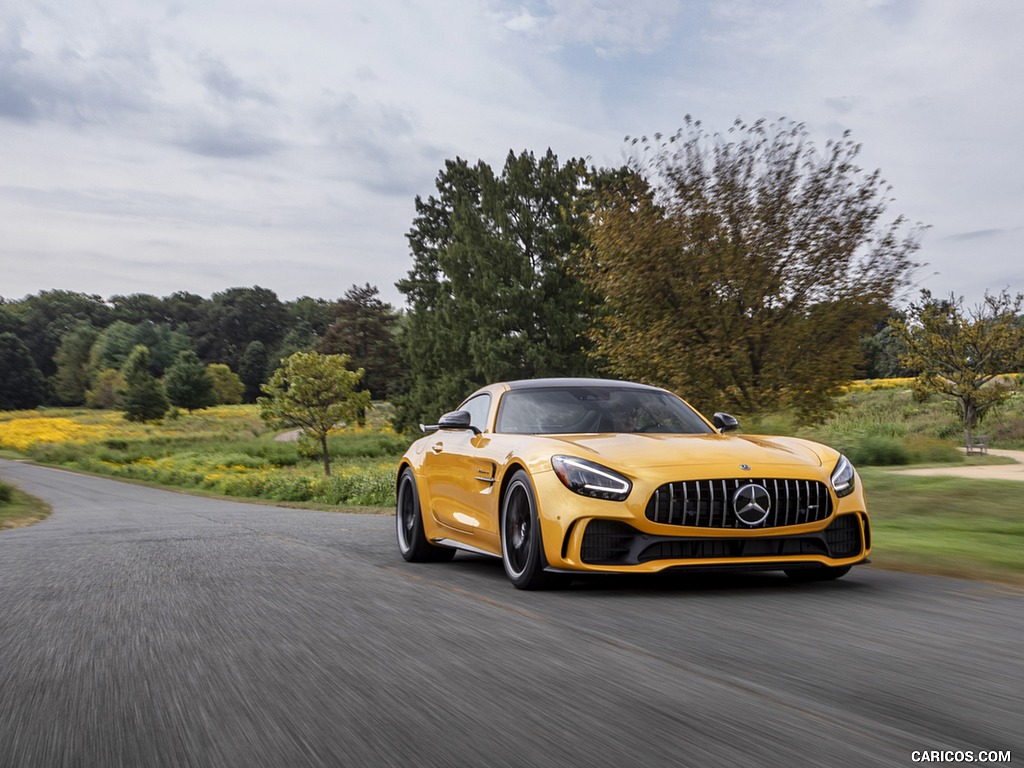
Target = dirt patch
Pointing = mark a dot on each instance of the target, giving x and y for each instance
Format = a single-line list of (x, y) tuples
[(982, 472)]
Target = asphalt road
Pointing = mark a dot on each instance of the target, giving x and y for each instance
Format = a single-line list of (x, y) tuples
[(146, 628)]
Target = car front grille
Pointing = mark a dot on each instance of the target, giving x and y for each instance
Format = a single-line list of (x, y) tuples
[(710, 503), (611, 542)]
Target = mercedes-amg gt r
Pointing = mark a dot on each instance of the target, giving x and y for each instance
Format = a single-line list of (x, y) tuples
[(571, 476)]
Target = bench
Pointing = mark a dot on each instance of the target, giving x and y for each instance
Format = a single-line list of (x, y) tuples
[(976, 444)]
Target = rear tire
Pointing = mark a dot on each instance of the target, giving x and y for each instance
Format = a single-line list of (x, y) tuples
[(522, 548), (412, 544), (824, 573)]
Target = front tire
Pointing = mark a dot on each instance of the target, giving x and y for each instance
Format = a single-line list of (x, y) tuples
[(412, 544), (824, 573), (522, 549)]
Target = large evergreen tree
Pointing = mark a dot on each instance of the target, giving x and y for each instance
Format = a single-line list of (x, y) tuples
[(364, 329), (144, 395), (188, 383), (492, 293)]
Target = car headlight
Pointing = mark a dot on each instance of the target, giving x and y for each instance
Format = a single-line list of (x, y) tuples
[(843, 477), (589, 479)]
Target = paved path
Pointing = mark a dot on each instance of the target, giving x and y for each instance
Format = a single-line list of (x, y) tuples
[(147, 628), (980, 472)]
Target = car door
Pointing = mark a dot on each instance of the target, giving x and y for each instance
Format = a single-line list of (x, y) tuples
[(461, 473)]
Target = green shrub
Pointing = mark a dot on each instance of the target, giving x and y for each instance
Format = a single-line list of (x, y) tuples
[(929, 450), (6, 492), (877, 450)]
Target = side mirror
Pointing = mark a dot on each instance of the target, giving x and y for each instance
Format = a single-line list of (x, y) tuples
[(725, 422), (457, 420)]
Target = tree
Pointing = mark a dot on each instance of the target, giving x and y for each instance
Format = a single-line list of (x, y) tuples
[(232, 319), (315, 393), (71, 380), (144, 396), (164, 344), (188, 384), (312, 314), (743, 269), (963, 354), (883, 351), (107, 391), (112, 346), (227, 387), (492, 293), (22, 385), (364, 329), (42, 320), (118, 339), (252, 369)]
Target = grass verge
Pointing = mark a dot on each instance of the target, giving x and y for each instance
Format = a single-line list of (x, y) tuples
[(944, 525), (18, 509)]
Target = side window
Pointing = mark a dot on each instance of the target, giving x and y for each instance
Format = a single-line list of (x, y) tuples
[(478, 408)]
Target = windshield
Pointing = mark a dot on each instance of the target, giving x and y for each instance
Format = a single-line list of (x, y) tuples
[(569, 410)]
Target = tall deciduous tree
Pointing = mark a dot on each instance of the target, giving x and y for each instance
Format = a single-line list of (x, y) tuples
[(364, 329), (188, 384), (492, 293), (107, 390), (233, 318), (962, 353), (744, 268), (41, 320), (227, 387), (22, 385), (144, 395), (315, 393), (72, 378)]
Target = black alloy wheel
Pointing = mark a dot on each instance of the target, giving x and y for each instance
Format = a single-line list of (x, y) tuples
[(522, 549), (412, 544)]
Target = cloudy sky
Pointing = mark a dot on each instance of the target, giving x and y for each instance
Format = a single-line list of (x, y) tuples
[(163, 145)]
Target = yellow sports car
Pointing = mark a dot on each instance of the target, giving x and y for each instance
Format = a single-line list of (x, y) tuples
[(561, 477)]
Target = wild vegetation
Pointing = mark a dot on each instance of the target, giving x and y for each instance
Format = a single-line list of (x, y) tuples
[(226, 450), (18, 509), (946, 525)]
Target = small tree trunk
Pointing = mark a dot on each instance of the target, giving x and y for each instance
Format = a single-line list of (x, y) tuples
[(327, 456)]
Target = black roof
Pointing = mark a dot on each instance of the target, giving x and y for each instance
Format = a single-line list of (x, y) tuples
[(565, 383)]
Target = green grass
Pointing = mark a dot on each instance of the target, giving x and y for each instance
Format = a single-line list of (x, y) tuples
[(945, 525), (18, 509)]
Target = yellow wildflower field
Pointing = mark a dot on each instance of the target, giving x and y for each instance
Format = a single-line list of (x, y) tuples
[(225, 449)]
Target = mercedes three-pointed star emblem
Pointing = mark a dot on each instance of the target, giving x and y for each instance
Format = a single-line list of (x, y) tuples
[(752, 503)]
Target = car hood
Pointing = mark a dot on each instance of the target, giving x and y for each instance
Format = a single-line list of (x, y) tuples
[(635, 451)]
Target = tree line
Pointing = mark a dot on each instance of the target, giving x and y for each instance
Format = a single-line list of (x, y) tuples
[(750, 270), (67, 348)]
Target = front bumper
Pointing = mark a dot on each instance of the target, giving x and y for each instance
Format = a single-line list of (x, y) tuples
[(590, 535)]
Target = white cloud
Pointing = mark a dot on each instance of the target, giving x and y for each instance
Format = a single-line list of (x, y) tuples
[(229, 143)]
